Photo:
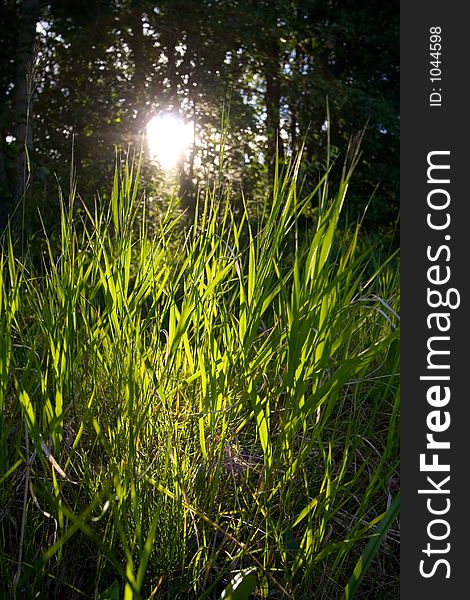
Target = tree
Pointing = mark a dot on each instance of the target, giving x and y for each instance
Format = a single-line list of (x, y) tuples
[(107, 66), (20, 71)]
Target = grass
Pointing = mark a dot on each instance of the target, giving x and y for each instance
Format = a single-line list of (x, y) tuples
[(211, 415)]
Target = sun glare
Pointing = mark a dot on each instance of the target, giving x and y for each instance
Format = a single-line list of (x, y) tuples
[(168, 136)]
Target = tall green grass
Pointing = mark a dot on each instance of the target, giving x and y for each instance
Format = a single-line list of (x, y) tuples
[(204, 415)]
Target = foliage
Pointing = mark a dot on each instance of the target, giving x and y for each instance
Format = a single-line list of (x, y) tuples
[(105, 67), (183, 416)]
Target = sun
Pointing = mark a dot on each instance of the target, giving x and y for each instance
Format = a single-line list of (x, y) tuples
[(168, 137)]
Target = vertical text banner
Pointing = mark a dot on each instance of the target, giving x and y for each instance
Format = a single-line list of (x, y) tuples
[(435, 253)]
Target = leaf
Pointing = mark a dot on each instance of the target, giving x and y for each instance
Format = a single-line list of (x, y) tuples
[(52, 460), (262, 424), (112, 593), (371, 549), (310, 506), (28, 410), (241, 586)]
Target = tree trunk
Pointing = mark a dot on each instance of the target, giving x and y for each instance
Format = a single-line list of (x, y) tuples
[(273, 106), (23, 90), (136, 43)]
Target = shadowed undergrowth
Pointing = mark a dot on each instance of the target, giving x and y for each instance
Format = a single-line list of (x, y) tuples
[(182, 412)]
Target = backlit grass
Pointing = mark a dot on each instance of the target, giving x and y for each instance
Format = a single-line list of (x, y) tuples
[(181, 414)]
